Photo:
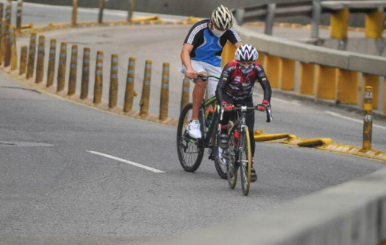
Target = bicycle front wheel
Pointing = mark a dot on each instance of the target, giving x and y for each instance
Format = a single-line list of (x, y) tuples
[(220, 160), (190, 151), (232, 166), (245, 160)]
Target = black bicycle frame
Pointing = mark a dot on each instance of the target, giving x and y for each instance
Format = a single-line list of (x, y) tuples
[(207, 135)]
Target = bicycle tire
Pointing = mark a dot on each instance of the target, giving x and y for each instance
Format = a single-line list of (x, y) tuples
[(188, 162), (219, 162), (232, 167), (245, 164)]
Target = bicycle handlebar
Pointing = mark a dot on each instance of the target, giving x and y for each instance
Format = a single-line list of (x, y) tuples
[(267, 110), (205, 78)]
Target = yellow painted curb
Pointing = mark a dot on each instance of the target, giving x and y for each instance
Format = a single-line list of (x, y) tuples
[(148, 18)]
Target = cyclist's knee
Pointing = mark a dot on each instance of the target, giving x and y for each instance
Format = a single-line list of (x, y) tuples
[(201, 83)]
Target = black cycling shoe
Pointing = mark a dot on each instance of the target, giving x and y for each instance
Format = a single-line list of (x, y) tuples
[(211, 155), (253, 175)]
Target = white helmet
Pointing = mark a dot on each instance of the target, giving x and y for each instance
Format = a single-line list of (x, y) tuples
[(246, 52), (222, 18)]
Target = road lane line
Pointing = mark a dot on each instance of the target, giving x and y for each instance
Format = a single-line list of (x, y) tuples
[(128, 162), (352, 119)]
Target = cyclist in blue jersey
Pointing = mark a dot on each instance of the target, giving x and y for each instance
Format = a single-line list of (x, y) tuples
[(201, 54)]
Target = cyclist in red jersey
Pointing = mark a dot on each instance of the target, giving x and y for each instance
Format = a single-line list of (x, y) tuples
[(235, 88)]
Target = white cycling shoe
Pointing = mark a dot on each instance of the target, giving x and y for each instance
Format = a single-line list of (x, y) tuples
[(194, 129)]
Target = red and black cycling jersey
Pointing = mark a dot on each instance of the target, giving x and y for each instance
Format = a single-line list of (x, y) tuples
[(239, 86)]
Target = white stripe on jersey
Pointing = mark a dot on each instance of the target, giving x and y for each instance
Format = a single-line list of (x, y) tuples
[(236, 34), (195, 31)]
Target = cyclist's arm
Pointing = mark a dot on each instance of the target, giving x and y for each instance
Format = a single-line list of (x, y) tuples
[(264, 82), (185, 58), (222, 84), (234, 37)]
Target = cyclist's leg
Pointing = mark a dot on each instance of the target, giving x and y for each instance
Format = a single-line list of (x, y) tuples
[(212, 84), (199, 87), (226, 116), (250, 122)]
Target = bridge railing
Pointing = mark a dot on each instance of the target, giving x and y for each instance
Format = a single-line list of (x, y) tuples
[(323, 74)]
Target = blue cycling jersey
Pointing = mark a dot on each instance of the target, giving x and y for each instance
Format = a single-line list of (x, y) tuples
[(206, 46)]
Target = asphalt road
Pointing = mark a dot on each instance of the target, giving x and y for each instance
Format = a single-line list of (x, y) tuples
[(52, 188), (61, 182)]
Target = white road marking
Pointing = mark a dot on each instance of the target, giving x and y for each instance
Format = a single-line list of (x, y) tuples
[(128, 162), (352, 119)]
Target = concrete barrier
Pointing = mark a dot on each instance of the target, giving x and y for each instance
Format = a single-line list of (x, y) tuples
[(336, 71), (350, 213)]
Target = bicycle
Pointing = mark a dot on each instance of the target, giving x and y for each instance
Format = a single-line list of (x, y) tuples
[(239, 152), (191, 151)]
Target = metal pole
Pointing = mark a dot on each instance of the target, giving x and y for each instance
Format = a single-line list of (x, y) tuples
[(51, 63), (8, 14), (101, 8), (185, 93), (368, 119), (73, 70), (13, 50), (8, 47), (164, 100), (130, 92), (316, 13), (62, 67), (23, 60), (145, 98), (239, 16), (74, 12), (19, 15), (40, 61), (130, 10), (270, 18), (98, 87), (31, 56), (113, 81), (85, 73)]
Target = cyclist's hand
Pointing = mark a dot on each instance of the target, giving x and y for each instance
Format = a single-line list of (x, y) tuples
[(226, 106), (262, 108), (190, 73)]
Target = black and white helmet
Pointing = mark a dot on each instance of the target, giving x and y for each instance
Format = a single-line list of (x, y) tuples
[(222, 18), (246, 52)]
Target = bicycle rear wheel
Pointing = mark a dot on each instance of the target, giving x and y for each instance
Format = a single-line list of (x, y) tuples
[(232, 166), (190, 151), (245, 160)]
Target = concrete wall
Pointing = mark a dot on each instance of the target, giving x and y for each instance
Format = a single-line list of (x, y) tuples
[(358, 45), (313, 54), (353, 213), (198, 8)]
